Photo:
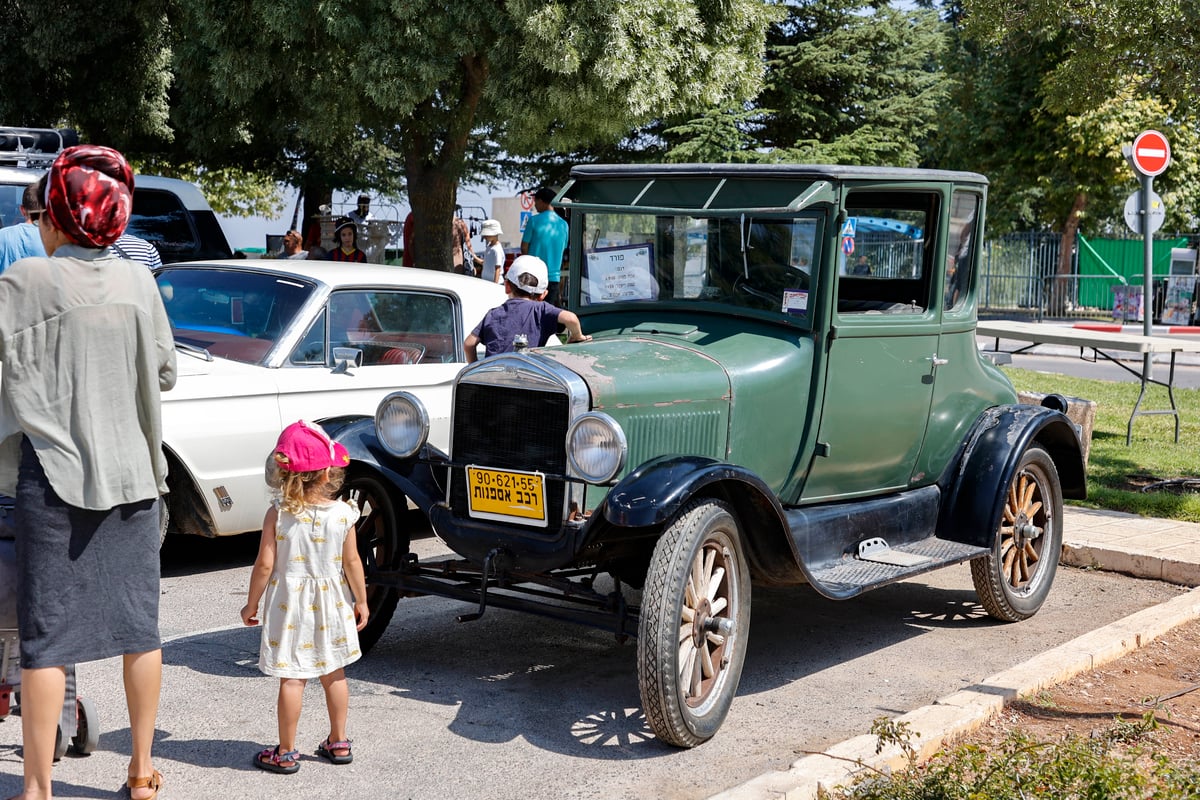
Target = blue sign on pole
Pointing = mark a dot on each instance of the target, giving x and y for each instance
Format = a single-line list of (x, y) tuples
[(848, 245)]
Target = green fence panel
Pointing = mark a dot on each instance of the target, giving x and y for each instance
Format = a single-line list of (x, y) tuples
[(1119, 257)]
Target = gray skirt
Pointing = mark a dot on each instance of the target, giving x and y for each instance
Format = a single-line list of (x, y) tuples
[(87, 581)]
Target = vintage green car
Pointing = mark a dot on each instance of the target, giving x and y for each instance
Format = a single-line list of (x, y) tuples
[(783, 388)]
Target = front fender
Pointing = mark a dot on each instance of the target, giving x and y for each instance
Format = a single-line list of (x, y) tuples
[(976, 487), (654, 492), (413, 477)]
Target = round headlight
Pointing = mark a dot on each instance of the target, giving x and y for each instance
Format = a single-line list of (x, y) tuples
[(596, 447), (401, 424)]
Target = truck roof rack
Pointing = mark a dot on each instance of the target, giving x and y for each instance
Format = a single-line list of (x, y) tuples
[(34, 147)]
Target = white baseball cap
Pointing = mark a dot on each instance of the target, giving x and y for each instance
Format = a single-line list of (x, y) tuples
[(538, 279), (490, 227)]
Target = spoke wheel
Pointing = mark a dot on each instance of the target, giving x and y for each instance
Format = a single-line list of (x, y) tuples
[(694, 624), (379, 547), (1014, 579)]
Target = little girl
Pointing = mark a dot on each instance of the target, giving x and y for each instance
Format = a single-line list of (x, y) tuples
[(307, 567)]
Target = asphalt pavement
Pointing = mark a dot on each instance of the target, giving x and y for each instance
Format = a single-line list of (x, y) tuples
[(1143, 547)]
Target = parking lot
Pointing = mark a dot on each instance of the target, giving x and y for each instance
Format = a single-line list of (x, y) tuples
[(514, 706)]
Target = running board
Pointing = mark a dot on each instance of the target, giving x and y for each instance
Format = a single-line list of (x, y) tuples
[(876, 564)]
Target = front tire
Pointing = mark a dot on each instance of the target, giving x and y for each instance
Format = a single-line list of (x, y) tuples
[(694, 624), (378, 546), (1012, 581)]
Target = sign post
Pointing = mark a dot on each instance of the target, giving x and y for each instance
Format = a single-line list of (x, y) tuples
[(1150, 155)]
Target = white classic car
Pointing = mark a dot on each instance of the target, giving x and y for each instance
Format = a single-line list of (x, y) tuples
[(262, 343)]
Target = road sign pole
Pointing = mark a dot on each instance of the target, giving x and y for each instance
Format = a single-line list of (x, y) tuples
[(1147, 271)]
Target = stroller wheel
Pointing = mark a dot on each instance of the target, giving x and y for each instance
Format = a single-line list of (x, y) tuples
[(87, 736), (60, 743)]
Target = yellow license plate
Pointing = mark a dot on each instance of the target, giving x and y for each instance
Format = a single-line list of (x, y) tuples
[(507, 496)]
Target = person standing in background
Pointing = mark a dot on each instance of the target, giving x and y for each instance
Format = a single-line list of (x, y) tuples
[(408, 259), (293, 246), (87, 486), (135, 248), (362, 212), (23, 239), (346, 235), (462, 253), (492, 269), (546, 237)]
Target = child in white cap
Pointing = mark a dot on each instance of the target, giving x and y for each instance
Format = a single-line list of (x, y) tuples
[(493, 254), (310, 580), (524, 319)]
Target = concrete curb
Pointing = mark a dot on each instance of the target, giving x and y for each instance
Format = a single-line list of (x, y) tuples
[(960, 713)]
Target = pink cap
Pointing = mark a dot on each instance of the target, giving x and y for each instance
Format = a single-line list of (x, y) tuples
[(304, 447)]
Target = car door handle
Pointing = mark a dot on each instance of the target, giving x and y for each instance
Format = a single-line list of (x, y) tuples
[(938, 362)]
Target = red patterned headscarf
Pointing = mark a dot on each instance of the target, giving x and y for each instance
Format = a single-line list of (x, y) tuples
[(89, 194)]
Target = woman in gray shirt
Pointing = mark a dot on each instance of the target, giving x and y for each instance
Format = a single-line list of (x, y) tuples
[(86, 348)]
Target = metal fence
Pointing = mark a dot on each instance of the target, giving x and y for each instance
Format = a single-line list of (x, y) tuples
[(1019, 277)]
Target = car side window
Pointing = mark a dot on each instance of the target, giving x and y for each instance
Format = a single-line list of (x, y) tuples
[(160, 217), (311, 350), (960, 248), (884, 253), (394, 327)]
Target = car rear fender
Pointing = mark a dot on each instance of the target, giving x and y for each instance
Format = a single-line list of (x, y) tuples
[(654, 493), (987, 462)]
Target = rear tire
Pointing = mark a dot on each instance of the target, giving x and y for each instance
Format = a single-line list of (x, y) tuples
[(694, 624), (1012, 581)]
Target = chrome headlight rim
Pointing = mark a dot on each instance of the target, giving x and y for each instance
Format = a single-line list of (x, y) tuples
[(617, 435), (410, 406)]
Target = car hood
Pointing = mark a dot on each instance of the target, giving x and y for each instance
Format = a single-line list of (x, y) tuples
[(219, 377), (667, 396), (644, 372)]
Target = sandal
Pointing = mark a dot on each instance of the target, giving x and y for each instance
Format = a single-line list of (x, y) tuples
[(153, 782), (274, 761), (326, 749)]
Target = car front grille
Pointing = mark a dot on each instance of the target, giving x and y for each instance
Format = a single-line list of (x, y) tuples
[(502, 427)]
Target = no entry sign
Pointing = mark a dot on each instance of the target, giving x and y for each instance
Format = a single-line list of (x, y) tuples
[(1151, 153)]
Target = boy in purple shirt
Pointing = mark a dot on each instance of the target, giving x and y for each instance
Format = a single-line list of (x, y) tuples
[(524, 315)]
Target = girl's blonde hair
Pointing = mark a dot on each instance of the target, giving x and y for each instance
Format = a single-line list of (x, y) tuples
[(299, 489)]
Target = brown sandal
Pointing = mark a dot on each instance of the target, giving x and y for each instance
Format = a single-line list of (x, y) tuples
[(154, 782)]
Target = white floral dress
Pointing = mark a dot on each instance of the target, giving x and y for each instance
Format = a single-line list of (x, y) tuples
[(308, 627)]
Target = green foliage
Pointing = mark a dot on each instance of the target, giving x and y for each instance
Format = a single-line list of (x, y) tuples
[(848, 82), (1115, 470), (1143, 48), (1021, 767), (1053, 156)]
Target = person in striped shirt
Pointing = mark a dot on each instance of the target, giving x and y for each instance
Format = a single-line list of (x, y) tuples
[(346, 235), (135, 248)]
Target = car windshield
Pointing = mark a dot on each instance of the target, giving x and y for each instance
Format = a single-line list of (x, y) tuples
[(233, 314), (750, 262)]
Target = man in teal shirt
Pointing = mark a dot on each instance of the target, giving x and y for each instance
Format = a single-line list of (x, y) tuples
[(546, 237), (23, 239)]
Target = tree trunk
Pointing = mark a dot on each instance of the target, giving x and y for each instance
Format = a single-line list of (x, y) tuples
[(1061, 291), (433, 181)]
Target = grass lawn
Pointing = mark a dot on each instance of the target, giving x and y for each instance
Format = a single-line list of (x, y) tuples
[(1117, 473)]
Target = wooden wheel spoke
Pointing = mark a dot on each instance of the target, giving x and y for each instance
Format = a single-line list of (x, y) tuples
[(707, 669), (690, 600), (697, 678), (689, 614), (719, 605), (685, 632), (687, 657), (715, 639), (714, 583)]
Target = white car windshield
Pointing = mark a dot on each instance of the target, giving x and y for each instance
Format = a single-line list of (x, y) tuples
[(232, 314)]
